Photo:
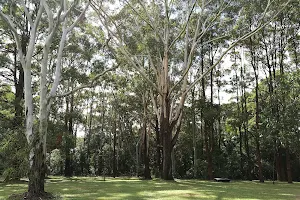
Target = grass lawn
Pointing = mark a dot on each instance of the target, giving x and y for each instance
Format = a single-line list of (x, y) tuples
[(87, 188)]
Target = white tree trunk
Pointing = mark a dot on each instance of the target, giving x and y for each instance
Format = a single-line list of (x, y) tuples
[(37, 140)]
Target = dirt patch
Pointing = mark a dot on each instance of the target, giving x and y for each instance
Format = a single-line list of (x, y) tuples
[(25, 196)]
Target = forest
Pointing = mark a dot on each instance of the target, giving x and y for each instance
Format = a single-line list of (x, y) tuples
[(192, 89)]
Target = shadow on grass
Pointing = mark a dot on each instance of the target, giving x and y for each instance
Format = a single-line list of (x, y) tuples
[(142, 189), (95, 188)]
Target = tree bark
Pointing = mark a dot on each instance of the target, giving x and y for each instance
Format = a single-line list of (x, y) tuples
[(37, 160), (114, 146), (208, 150), (280, 168), (166, 128), (19, 85), (147, 174), (37, 169), (258, 154), (288, 165), (258, 160), (195, 165), (257, 111), (158, 150), (68, 172), (167, 149)]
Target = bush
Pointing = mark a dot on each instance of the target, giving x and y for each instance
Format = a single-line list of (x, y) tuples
[(14, 152), (56, 162)]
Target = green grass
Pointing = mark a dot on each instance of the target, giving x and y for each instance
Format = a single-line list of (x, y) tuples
[(83, 188)]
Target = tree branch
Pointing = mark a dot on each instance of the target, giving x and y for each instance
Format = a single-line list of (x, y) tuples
[(177, 130), (66, 13), (184, 93), (139, 68), (49, 14), (149, 22), (13, 29), (135, 64), (244, 37), (84, 86), (196, 38), (79, 18), (184, 27), (27, 14), (32, 39)]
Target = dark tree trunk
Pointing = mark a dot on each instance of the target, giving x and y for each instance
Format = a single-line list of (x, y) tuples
[(89, 135), (249, 177), (167, 150), (147, 173), (114, 154), (36, 185), (241, 150), (19, 95), (288, 165), (210, 123), (19, 81), (246, 140), (166, 131), (68, 172), (194, 135), (210, 166), (158, 150), (258, 160), (257, 142), (280, 168), (208, 151)]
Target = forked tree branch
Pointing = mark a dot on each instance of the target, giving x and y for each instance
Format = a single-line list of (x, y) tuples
[(91, 84)]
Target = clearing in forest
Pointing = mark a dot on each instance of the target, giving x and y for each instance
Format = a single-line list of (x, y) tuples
[(91, 188)]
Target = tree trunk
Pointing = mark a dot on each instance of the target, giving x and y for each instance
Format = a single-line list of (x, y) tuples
[(166, 128), (37, 170), (173, 163), (147, 173), (19, 86), (195, 166), (89, 134), (258, 160), (280, 168), (37, 160), (36, 156), (241, 151), (158, 150), (258, 154), (246, 140), (114, 154), (208, 151), (210, 166), (68, 172), (167, 149), (288, 165)]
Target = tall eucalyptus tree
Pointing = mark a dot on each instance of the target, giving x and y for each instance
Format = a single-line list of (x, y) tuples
[(56, 16), (160, 32)]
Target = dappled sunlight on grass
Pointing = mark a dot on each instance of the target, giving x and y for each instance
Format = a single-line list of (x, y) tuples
[(8, 189), (91, 188)]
